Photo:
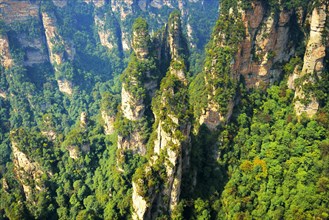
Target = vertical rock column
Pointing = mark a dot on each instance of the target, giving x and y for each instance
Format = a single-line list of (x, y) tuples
[(57, 49), (135, 90), (150, 199), (306, 102), (5, 57)]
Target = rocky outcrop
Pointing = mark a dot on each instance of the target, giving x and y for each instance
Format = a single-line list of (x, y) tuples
[(27, 172), (139, 81), (97, 3), (35, 52), (175, 36), (134, 142), (51, 134), (139, 204), (54, 40), (24, 12), (74, 152), (3, 94), (132, 107), (258, 46), (17, 10), (171, 137), (65, 86), (5, 56), (58, 50), (108, 123), (124, 10), (83, 120), (265, 44), (103, 33), (160, 3), (306, 102)]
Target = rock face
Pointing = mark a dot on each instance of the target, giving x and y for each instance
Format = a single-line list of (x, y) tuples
[(27, 171), (132, 107), (5, 57), (57, 49), (134, 142), (171, 137), (103, 36), (261, 45), (65, 86), (266, 44), (17, 11), (136, 86), (125, 9), (25, 12), (109, 123), (83, 119), (35, 52), (139, 204), (313, 61), (53, 38)]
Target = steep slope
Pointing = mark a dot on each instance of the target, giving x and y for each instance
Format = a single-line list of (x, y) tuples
[(6, 60), (251, 42), (316, 50), (252, 156), (139, 83), (170, 138), (57, 50)]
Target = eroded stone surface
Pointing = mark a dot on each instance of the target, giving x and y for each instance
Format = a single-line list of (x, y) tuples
[(313, 62)]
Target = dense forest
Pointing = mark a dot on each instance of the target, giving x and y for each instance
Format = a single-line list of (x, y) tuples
[(176, 109)]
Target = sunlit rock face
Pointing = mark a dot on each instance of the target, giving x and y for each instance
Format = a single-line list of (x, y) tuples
[(5, 56), (171, 136), (313, 61)]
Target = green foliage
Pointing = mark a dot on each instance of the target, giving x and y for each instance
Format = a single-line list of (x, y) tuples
[(262, 163), (197, 93), (110, 103), (217, 66), (149, 179), (292, 64), (201, 209), (135, 75), (3, 27), (35, 146), (273, 178), (31, 28), (141, 38)]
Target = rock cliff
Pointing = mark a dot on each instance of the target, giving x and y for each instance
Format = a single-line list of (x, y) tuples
[(108, 123), (141, 71), (18, 11), (104, 33), (258, 38), (266, 43), (57, 49), (124, 11), (306, 102), (171, 138), (28, 173), (5, 56)]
